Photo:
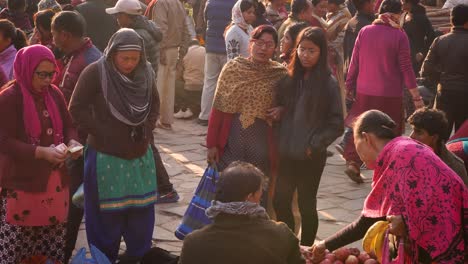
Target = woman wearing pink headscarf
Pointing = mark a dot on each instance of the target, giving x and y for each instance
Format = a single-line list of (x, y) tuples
[(237, 34), (424, 200), (34, 126)]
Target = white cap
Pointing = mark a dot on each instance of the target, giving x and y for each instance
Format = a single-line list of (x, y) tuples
[(131, 7)]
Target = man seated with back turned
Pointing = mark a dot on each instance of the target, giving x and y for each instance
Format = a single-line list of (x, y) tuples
[(430, 128)]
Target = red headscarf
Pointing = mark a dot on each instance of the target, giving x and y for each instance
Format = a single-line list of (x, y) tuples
[(26, 62)]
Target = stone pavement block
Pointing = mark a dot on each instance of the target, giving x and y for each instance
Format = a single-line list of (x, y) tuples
[(334, 199), (353, 205), (179, 210), (355, 194), (187, 140), (338, 214), (162, 217), (331, 180), (326, 229), (323, 204), (171, 225), (195, 168), (189, 185), (193, 156), (179, 157), (179, 148), (160, 233)]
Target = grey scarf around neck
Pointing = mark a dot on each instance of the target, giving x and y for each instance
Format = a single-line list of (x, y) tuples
[(128, 99), (236, 208)]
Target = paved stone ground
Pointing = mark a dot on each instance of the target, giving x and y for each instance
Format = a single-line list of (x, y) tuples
[(339, 199)]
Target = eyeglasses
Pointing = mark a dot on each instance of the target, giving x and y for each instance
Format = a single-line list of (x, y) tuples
[(261, 43), (43, 75)]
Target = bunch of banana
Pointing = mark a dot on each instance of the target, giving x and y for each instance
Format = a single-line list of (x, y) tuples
[(375, 238)]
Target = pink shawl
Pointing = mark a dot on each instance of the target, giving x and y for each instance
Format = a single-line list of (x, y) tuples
[(410, 180), (26, 61)]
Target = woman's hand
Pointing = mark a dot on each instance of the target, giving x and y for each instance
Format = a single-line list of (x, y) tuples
[(306, 253), (318, 252), (74, 144), (213, 155), (417, 99), (418, 103), (397, 225), (51, 154), (275, 113)]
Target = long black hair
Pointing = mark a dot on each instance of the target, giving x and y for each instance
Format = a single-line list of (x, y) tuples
[(17, 36), (316, 85), (377, 123)]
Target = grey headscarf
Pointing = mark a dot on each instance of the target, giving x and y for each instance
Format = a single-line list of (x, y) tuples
[(129, 100)]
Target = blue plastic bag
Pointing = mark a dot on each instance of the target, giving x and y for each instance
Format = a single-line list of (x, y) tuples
[(97, 257), (195, 217)]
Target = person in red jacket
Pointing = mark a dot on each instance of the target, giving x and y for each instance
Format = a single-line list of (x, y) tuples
[(34, 182)]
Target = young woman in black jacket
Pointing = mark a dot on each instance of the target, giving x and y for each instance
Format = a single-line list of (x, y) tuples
[(419, 30), (311, 119)]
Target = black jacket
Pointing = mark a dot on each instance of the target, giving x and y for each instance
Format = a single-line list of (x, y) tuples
[(152, 36), (420, 35), (241, 239), (296, 131), (447, 62), (352, 29), (100, 25)]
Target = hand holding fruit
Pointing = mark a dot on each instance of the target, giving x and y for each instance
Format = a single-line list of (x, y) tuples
[(318, 251)]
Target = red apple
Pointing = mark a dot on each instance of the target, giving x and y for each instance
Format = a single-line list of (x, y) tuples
[(363, 257), (342, 253), (352, 260)]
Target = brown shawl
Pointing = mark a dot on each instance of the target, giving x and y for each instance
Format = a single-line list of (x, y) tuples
[(247, 87)]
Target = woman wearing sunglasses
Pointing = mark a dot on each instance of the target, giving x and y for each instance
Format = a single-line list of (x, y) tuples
[(34, 128)]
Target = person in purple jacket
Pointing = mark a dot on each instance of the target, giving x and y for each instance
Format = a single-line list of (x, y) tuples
[(379, 70)]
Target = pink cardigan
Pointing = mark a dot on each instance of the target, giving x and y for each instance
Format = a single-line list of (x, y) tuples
[(381, 62)]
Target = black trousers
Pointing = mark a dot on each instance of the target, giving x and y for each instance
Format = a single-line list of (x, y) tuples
[(75, 214), (303, 175), (162, 177), (454, 106)]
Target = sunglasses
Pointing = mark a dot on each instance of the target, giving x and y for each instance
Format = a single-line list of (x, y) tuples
[(43, 75)]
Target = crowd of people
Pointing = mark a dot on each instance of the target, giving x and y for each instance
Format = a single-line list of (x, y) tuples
[(84, 84)]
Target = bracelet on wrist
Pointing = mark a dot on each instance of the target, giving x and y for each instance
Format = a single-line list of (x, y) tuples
[(417, 99)]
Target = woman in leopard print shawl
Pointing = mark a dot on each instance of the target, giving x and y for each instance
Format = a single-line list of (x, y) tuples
[(240, 126)]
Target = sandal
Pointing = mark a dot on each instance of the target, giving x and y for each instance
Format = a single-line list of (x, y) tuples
[(354, 173)]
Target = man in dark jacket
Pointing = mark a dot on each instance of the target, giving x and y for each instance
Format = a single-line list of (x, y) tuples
[(217, 17), (101, 25), (128, 13), (241, 231), (446, 64), (68, 29)]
